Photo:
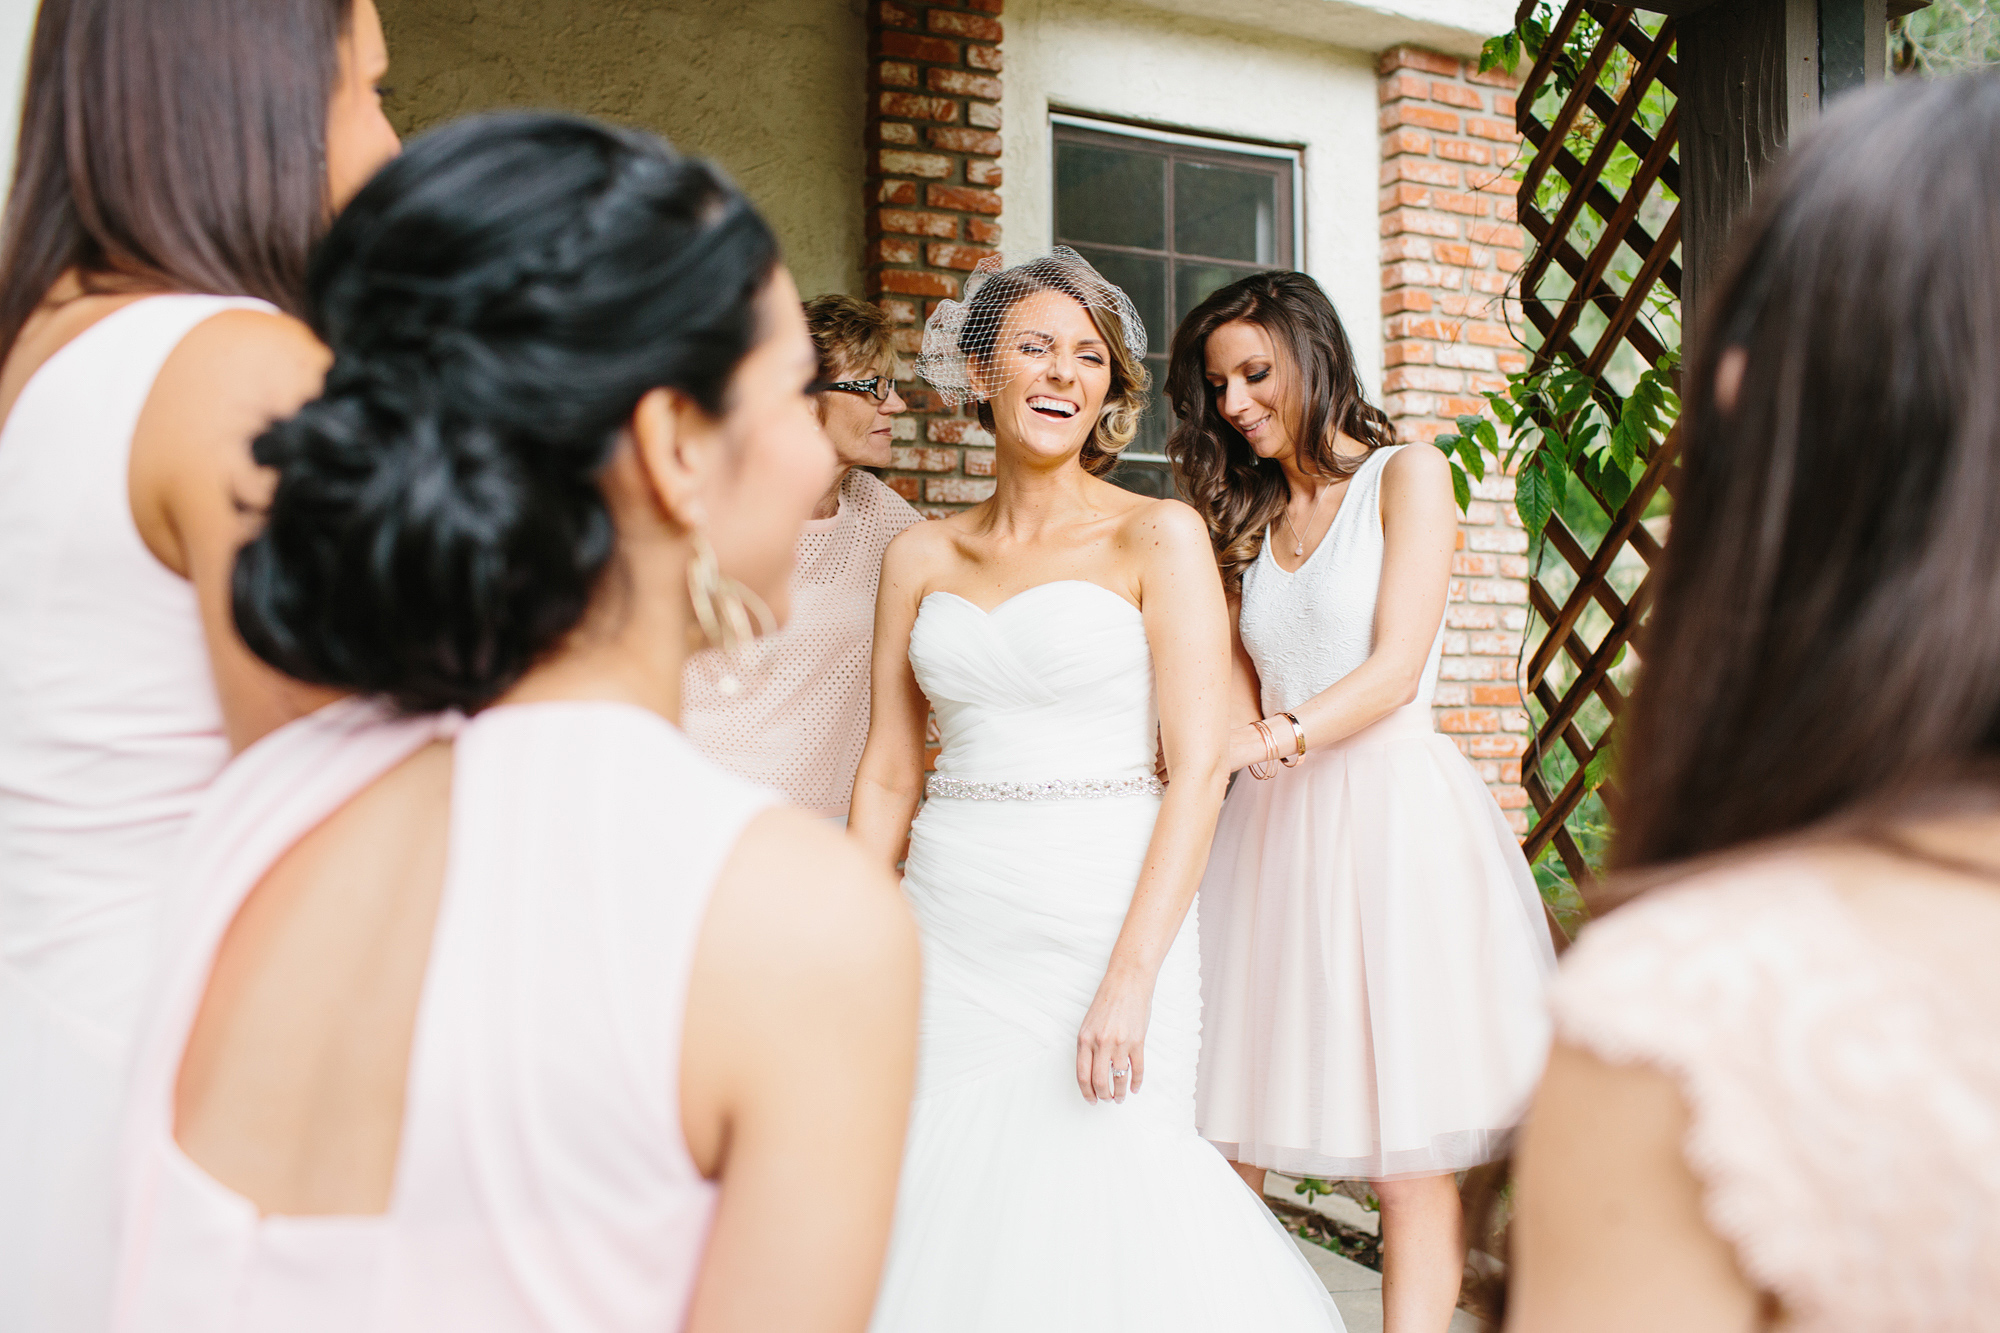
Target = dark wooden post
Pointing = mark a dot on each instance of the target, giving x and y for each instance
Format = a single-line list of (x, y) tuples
[(1752, 73)]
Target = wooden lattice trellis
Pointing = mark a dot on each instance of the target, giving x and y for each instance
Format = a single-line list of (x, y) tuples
[(1585, 307)]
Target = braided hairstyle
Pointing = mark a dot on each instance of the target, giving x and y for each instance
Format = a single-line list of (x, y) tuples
[(497, 300)]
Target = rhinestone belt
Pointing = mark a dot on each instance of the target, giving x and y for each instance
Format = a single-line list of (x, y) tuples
[(1055, 789)]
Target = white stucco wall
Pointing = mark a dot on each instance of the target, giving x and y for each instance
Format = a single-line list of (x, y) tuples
[(17, 21), (1140, 62)]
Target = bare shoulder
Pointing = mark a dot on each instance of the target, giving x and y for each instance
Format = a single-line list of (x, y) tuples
[(1166, 526), (1600, 1135), (260, 359), (913, 554), (1417, 467), (800, 902), (225, 382)]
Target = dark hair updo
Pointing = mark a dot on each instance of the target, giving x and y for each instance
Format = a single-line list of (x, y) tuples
[(498, 300)]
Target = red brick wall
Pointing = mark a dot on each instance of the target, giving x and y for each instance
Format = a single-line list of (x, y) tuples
[(1450, 246), (933, 211)]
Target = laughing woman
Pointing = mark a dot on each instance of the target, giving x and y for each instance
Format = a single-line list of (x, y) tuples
[(1372, 941), (1052, 628)]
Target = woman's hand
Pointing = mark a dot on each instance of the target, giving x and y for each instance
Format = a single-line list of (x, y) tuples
[(1112, 1040)]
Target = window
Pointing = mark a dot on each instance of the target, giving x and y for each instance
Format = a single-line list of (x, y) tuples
[(1170, 218)]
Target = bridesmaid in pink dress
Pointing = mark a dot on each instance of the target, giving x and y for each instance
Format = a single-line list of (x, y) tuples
[(1373, 948), (494, 1005), (1774, 1100), (155, 256)]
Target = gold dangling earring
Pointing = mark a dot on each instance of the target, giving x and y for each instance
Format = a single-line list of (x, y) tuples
[(730, 614)]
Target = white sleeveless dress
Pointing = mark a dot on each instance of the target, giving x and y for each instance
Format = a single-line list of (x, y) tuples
[(110, 730), (543, 1183), (1023, 1207), (1374, 946)]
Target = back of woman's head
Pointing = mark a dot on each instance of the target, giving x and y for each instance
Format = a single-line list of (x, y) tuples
[(174, 142), (498, 300), (1826, 639), (1214, 466)]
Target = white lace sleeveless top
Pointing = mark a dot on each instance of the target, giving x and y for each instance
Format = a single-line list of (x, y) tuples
[(1844, 1098), (800, 717), (1307, 629)]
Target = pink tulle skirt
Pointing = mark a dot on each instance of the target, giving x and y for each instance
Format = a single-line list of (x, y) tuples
[(1374, 956)]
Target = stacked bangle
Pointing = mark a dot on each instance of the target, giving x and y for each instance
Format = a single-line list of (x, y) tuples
[(1270, 752), (1262, 770)]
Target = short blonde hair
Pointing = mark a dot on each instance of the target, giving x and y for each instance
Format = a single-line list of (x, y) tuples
[(849, 334)]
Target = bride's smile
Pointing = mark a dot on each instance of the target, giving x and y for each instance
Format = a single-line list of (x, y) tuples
[(1049, 371)]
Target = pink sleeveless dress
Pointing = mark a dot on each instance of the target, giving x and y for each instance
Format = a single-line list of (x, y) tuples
[(109, 732), (1842, 1087), (543, 1180), (1374, 955)]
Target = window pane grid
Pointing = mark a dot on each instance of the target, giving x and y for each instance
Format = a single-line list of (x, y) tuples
[(1130, 204)]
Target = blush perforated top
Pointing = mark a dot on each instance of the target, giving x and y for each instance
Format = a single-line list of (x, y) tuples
[(1842, 1080), (800, 717)]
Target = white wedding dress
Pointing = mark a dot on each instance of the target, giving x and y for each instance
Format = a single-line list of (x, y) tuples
[(1023, 1208)]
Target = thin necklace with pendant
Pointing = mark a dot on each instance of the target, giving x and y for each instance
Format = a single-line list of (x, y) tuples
[(1298, 542)]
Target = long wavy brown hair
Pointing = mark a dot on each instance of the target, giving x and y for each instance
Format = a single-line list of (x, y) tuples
[(1216, 470), (1825, 645)]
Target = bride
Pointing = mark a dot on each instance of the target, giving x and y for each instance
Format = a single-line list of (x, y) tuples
[(1053, 1178)]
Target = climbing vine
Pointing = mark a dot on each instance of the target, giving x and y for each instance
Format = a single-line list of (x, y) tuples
[(1559, 427), (1576, 442)]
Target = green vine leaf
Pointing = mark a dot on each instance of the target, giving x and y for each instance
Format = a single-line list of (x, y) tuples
[(1575, 393), (1583, 443), (1534, 498), (1473, 451), (1598, 769), (1574, 441)]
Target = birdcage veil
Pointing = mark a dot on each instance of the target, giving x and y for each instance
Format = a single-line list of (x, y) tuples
[(966, 355)]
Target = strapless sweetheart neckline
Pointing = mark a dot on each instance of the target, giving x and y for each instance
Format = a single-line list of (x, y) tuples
[(1005, 602)]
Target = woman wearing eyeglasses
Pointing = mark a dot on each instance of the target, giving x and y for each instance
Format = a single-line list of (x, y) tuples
[(791, 709)]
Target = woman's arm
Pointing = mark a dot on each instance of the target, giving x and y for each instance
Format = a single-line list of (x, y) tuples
[(1246, 692), (1608, 1229), (797, 1064), (191, 478), (890, 779), (1187, 627), (1419, 535)]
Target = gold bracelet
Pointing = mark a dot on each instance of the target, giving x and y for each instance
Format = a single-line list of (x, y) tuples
[(1270, 752), (1299, 731)]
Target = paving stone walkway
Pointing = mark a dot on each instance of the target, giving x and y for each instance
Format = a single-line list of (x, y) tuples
[(1357, 1291)]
